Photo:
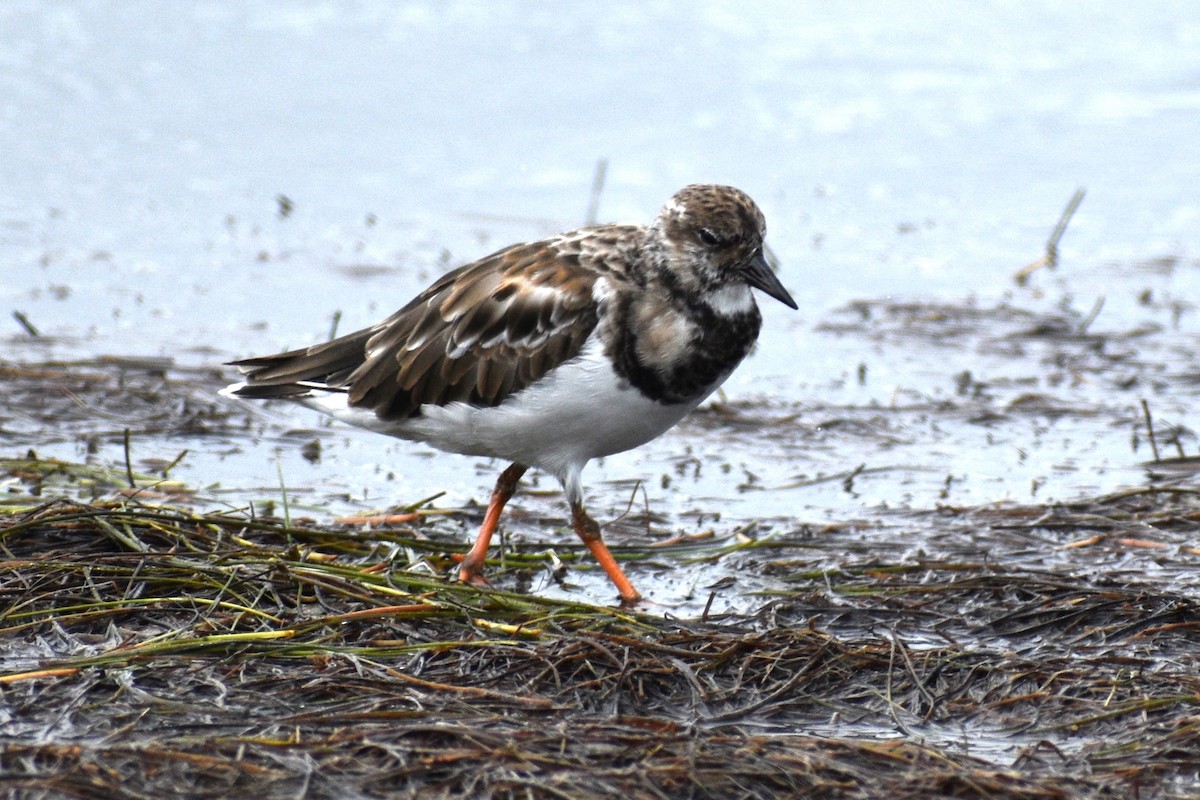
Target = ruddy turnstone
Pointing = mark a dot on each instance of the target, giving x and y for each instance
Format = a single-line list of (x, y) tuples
[(552, 353)]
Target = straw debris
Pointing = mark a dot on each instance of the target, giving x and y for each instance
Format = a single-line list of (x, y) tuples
[(150, 651)]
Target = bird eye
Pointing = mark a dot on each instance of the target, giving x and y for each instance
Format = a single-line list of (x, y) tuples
[(708, 237)]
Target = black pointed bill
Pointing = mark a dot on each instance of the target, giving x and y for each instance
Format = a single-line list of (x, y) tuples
[(759, 275)]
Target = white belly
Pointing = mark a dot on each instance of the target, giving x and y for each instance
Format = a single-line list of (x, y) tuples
[(578, 412)]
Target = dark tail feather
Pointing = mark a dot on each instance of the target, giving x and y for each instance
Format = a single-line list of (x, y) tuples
[(294, 373)]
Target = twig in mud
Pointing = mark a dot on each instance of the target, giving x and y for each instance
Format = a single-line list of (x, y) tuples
[(1087, 323), (474, 691), (847, 478), (378, 519), (1050, 257), (167, 469), (287, 516), (333, 327), (629, 506), (848, 483), (284, 206), (24, 322), (38, 674), (128, 465), (1150, 429), (1061, 227), (892, 705), (406, 514), (593, 211)]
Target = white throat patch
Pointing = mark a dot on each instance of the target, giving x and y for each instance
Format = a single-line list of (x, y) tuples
[(730, 300)]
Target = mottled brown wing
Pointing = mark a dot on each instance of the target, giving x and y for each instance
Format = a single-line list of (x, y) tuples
[(476, 335)]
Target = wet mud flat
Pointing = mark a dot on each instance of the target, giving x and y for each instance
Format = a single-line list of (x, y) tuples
[(159, 640)]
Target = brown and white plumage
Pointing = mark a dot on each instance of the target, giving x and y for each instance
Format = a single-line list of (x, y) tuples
[(476, 336), (552, 353)]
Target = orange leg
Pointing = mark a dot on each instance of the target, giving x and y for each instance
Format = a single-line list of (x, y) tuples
[(589, 532), (506, 484)]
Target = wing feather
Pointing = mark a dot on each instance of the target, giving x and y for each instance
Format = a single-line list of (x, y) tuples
[(476, 335)]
